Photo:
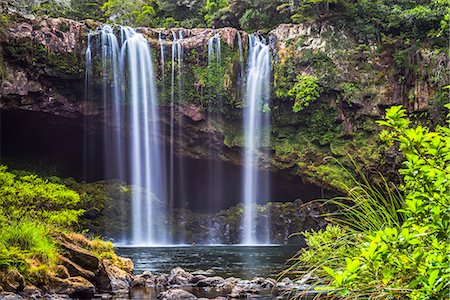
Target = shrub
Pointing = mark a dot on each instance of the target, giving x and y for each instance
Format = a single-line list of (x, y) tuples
[(29, 196), (405, 254), (305, 91)]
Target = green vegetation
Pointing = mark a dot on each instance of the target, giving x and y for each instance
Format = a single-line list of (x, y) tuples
[(305, 91), (388, 243), (32, 210), (34, 213)]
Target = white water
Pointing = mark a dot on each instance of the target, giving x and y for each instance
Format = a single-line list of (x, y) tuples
[(128, 76), (147, 169), (214, 51), (215, 168), (256, 123)]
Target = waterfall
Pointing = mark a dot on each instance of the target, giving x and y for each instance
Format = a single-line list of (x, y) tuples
[(111, 83), (214, 51), (87, 99), (176, 174), (128, 76), (163, 58), (256, 122), (215, 186), (147, 172)]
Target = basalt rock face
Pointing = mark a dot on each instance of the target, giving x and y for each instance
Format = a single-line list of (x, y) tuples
[(43, 65), (42, 69)]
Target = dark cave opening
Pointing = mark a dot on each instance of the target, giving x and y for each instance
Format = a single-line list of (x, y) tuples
[(54, 145)]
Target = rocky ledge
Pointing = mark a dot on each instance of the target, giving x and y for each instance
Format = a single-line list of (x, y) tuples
[(81, 273)]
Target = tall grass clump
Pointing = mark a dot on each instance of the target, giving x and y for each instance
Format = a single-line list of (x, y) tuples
[(32, 210), (387, 242), (30, 237)]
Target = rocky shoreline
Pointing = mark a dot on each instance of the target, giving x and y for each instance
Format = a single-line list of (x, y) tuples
[(180, 284), (113, 283), (83, 274)]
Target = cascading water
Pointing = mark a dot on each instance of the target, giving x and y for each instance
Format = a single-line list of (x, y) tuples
[(127, 73), (215, 186), (129, 93), (178, 173), (214, 51), (111, 82), (147, 171), (256, 129)]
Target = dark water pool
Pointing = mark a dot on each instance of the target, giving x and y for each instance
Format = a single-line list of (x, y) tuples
[(243, 262)]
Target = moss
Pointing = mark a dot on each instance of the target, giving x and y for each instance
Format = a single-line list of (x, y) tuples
[(64, 27), (60, 63)]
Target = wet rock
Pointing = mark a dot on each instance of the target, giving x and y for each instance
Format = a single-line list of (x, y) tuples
[(9, 296), (269, 283), (80, 256), (242, 292), (12, 281), (162, 280), (144, 279), (197, 278), (211, 282), (258, 280), (176, 294), (112, 279), (16, 82), (76, 270), (75, 287), (285, 282), (31, 292), (178, 276)]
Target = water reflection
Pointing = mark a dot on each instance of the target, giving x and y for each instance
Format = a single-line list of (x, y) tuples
[(243, 262)]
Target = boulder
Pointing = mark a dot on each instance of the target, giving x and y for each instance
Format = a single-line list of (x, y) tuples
[(75, 287), (76, 270), (31, 292), (211, 282), (176, 294), (9, 296), (269, 283), (56, 297), (243, 292), (127, 265), (162, 280), (178, 276), (80, 256), (112, 279), (144, 279), (258, 280), (197, 278)]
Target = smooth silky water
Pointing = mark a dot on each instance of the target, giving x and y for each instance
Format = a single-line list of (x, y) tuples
[(245, 262)]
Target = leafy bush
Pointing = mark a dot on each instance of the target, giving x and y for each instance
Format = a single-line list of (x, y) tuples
[(28, 196), (406, 254), (305, 91), (32, 210)]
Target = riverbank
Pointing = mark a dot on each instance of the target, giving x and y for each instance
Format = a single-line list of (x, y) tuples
[(206, 272)]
